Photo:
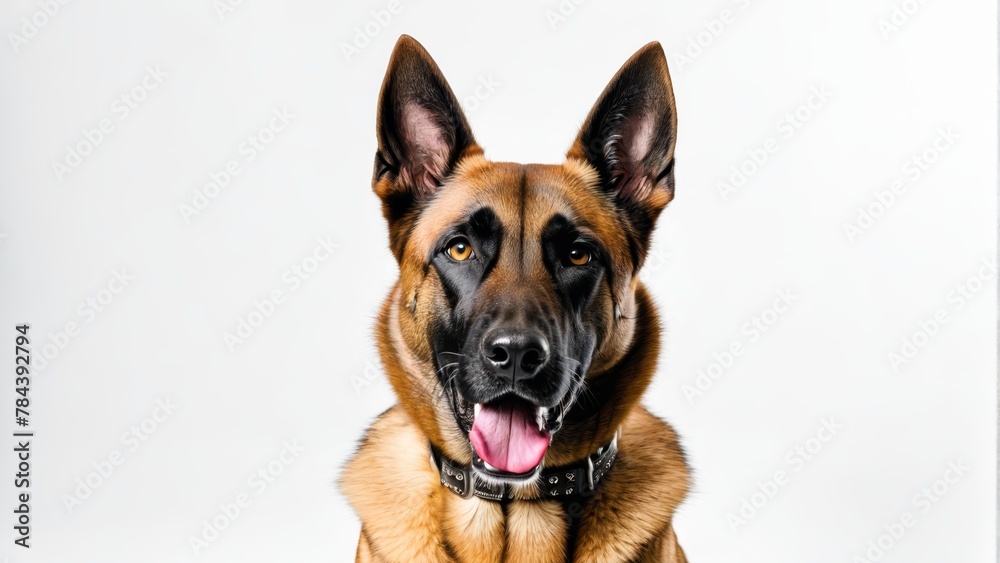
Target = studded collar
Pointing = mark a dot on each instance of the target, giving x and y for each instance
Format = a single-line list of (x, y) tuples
[(559, 482)]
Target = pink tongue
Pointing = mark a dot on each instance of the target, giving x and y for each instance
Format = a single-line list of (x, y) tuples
[(506, 436)]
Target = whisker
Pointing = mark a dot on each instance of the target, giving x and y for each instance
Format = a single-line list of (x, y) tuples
[(446, 366), (447, 382), (584, 386)]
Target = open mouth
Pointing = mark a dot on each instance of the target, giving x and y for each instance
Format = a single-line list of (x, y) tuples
[(509, 435)]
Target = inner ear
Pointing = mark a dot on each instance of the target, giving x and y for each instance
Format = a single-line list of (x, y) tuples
[(427, 151), (630, 133), (633, 145)]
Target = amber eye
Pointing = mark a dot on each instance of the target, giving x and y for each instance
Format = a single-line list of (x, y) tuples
[(460, 250), (579, 255)]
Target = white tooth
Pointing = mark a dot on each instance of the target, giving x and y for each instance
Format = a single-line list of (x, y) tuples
[(476, 409), (490, 467), (542, 416)]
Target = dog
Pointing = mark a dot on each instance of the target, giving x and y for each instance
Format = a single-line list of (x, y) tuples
[(518, 338)]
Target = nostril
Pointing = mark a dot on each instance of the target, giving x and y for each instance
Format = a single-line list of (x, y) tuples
[(532, 359), (499, 356)]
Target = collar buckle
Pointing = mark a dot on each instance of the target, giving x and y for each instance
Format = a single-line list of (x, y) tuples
[(590, 472), (602, 458)]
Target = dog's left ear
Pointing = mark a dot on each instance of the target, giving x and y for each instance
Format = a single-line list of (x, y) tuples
[(629, 138)]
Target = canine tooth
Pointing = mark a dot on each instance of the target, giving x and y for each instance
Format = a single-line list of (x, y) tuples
[(541, 417), (477, 408)]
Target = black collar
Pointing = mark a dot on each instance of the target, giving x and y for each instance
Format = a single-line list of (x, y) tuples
[(558, 482)]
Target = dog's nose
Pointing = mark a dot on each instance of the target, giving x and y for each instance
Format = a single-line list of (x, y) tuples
[(515, 355)]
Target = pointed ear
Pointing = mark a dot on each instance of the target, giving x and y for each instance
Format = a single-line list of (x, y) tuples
[(629, 136), (421, 130)]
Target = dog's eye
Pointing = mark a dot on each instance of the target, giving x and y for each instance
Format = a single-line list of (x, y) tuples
[(579, 255), (460, 250)]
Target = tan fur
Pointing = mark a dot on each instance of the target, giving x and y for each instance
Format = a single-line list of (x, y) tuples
[(412, 518), (537, 533), (392, 486), (474, 528)]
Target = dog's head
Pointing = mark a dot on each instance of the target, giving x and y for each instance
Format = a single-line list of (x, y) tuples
[(516, 324)]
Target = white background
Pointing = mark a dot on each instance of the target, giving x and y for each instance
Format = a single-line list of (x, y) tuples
[(309, 372)]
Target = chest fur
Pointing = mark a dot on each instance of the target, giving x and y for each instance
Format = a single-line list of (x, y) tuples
[(407, 515)]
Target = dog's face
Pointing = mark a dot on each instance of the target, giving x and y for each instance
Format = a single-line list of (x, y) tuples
[(517, 282)]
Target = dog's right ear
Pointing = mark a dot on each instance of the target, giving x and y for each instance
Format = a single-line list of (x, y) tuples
[(422, 134)]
